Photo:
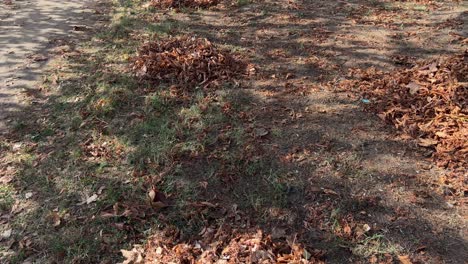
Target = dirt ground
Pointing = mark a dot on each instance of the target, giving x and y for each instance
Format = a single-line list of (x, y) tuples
[(343, 183), (28, 30), (301, 45)]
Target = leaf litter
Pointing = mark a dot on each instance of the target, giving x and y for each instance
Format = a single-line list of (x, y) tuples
[(188, 62), (183, 3), (428, 102), (234, 240)]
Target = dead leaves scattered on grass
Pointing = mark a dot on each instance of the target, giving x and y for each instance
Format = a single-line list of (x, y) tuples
[(188, 62), (230, 242), (428, 102), (183, 3)]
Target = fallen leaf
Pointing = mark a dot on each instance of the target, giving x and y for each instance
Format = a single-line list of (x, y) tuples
[(366, 228), (158, 205), (152, 195), (413, 87), (347, 230), (99, 192), (91, 199), (157, 199), (38, 58), (25, 243), (134, 256), (7, 233), (427, 142), (260, 132), (404, 259), (159, 251), (328, 191), (441, 134), (55, 219), (203, 204)]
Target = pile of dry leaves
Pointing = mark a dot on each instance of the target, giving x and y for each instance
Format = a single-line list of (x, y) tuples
[(428, 102), (188, 61), (249, 247), (229, 242), (183, 3)]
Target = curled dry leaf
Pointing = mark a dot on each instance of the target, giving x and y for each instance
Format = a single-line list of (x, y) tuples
[(157, 199), (329, 191), (152, 195), (134, 256), (91, 199), (427, 142), (404, 259)]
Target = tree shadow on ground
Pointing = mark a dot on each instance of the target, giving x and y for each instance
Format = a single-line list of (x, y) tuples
[(29, 32), (324, 165)]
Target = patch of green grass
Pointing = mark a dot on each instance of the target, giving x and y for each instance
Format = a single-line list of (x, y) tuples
[(19, 126), (19, 257), (119, 29), (155, 103), (75, 246), (111, 95), (262, 187), (42, 134), (389, 6), (420, 8), (6, 197), (153, 140), (165, 27), (375, 244), (4, 146), (241, 3), (29, 176)]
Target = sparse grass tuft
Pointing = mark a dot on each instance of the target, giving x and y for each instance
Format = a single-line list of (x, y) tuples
[(6, 197), (375, 244), (241, 3)]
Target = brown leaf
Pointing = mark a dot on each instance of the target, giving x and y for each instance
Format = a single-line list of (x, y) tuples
[(55, 219), (427, 142), (134, 256), (260, 132), (347, 230), (152, 195), (159, 205), (413, 88), (157, 198), (38, 57), (329, 191), (404, 259)]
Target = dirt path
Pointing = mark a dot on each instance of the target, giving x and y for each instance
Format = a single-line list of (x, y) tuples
[(28, 30)]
